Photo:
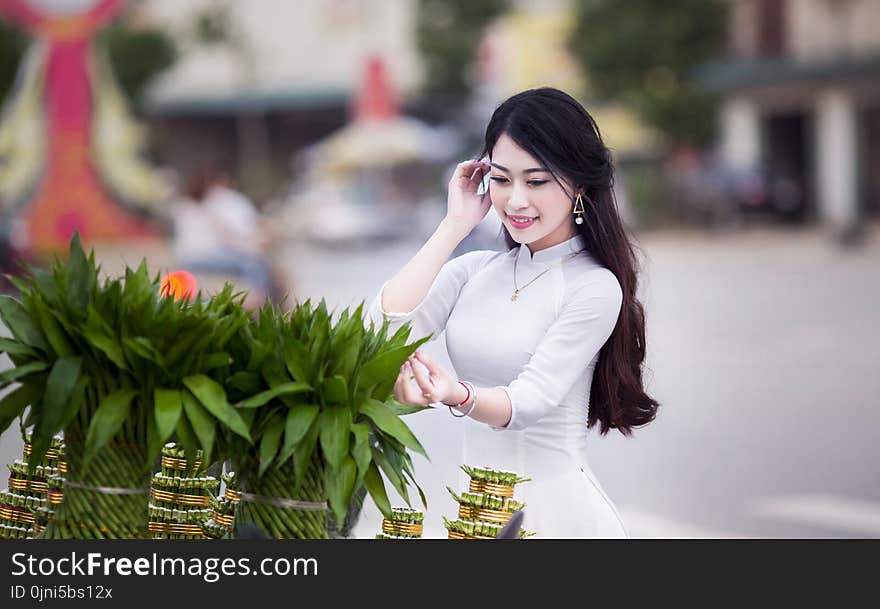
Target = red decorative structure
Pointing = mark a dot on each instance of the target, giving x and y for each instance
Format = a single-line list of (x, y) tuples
[(70, 196), (375, 100)]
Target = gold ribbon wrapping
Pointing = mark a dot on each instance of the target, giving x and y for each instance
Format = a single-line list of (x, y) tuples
[(232, 495), (487, 488), (181, 498), (225, 520), (469, 512), (32, 486), (175, 528), (393, 527), (457, 535), (179, 464), (16, 514)]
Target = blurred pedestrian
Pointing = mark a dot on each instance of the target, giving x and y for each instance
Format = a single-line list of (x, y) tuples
[(217, 229)]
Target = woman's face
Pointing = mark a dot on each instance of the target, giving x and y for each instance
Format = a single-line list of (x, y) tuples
[(531, 204)]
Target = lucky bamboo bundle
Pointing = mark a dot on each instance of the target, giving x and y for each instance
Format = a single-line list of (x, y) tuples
[(405, 523), (222, 510), (487, 506), (180, 498), (468, 529), (24, 508)]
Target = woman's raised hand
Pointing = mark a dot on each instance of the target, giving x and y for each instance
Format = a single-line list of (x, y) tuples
[(416, 387), (464, 207)]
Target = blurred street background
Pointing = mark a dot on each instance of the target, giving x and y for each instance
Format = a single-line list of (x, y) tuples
[(302, 150)]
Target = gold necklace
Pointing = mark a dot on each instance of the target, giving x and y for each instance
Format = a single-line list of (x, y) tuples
[(517, 290)]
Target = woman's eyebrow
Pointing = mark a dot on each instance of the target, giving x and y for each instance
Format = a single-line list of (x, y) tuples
[(532, 170)]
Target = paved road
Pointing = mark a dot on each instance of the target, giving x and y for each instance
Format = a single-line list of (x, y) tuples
[(763, 353)]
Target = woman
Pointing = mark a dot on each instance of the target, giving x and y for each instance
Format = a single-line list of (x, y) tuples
[(546, 339)]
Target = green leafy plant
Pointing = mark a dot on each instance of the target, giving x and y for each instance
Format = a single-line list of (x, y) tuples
[(317, 396), (120, 370)]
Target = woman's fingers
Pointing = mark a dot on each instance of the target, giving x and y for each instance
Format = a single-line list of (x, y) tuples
[(430, 363), (425, 385), (398, 390), (470, 174), (412, 392)]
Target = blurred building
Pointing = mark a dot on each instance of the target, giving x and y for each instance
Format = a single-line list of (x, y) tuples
[(280, 75), (527, 48), (801, 101)]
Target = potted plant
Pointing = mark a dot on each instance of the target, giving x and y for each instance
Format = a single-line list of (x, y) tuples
[(119, 369), (317, 397)]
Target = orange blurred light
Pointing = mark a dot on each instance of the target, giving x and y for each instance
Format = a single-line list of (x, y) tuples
[(179, 284)]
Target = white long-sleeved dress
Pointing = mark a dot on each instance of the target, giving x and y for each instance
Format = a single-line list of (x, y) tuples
[(542, 350)]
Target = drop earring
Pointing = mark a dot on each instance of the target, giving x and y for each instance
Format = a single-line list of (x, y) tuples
[(579, 209)]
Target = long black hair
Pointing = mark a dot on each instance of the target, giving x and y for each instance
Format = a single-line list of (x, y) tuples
[(555, 129)]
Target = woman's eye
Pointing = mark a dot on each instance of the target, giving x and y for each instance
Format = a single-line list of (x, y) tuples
[(536, 182), (498, 179)]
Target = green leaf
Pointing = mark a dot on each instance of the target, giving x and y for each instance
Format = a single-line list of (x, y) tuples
[(80, 277), (275, 374), (13, 403), (409, 474), (59, 387), (12, 374), (19, 322), (108, 420), (77, 397), (404, 409), (283, 389), (107, 345), (244, 381), (182, 347), (383, 369), (14, 347), (376, 488), (167, 404), (212, 397), (335, 390), (143, 347), (202, 423), (335, 422), (392, 472), (339, 485), (298, 361), (391, 424), (299, 421), (270, 441), (216, 360), (302, 454), (346, 361), (99, 335), (360, 448), (52, 330)]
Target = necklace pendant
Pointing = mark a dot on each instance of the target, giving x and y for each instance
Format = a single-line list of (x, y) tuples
[(515, 295)]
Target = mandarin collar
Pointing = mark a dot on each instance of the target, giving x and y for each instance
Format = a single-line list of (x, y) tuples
[(552, 253)]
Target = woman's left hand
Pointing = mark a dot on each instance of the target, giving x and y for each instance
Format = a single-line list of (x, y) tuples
[(435, 385)]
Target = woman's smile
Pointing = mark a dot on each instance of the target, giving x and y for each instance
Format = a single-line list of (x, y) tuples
[(521, 222)]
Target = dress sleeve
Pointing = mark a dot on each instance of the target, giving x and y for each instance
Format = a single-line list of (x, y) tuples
[(431, 314), (584, 324)]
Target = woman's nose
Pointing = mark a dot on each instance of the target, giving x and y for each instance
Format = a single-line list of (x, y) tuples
[(518, 199)]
